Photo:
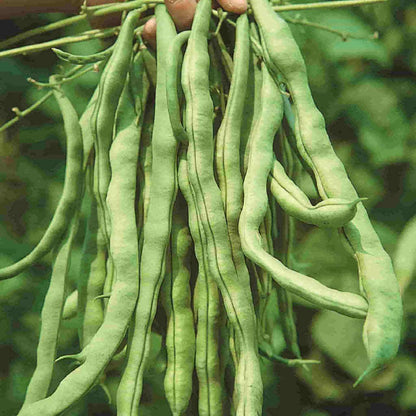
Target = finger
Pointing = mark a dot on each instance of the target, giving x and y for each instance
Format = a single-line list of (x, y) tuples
[(182, 12), (149, 32), (234, 6)]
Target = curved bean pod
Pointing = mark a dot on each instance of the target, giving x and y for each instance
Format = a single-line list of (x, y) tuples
[(238, 303), (228, 140), (329, 213), (54, 301), (157, 228), (84, 59), (51, 321), (70, 195), (124, 249), (254, 209), (381, 334), (103, 116)]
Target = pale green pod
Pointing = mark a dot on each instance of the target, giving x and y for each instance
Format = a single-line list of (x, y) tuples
[(156, 230), (248, 390), (207, 310), (378, 283), (180, 335), (329, 213), (84, 59), (54, 301), (124, 249)]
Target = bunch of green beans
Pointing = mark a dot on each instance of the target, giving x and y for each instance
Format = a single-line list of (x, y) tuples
[(187, 159)]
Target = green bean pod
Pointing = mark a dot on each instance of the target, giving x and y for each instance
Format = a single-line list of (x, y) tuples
[(180, 336), (103, 116), (255, 206), (70, 195), (51, 321), (54, 301), (157, 228), (238, 303), (227, 160), (207, 310), (381, 333), (228, 139), (329, 213), (84, 59), (124, 250)]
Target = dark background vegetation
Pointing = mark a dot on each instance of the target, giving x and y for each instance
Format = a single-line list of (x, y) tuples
[(367, 92)]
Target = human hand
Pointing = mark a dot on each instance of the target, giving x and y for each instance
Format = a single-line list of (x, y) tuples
[(182, 12)]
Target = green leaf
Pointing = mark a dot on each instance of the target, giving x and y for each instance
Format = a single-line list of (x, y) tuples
[(383, 128), (347, 22)]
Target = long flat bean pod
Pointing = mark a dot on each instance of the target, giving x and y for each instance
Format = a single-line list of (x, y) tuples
[(177, 301), (84, 59), (381, 334), (157, 228), (228, 140), (206, 306), (54, 301), (124, 249), (51, 321), (103, 115), (238, 303), (70, 195), (255, 206)]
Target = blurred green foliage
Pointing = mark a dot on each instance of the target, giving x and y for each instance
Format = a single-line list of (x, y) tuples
[(367, 91)]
